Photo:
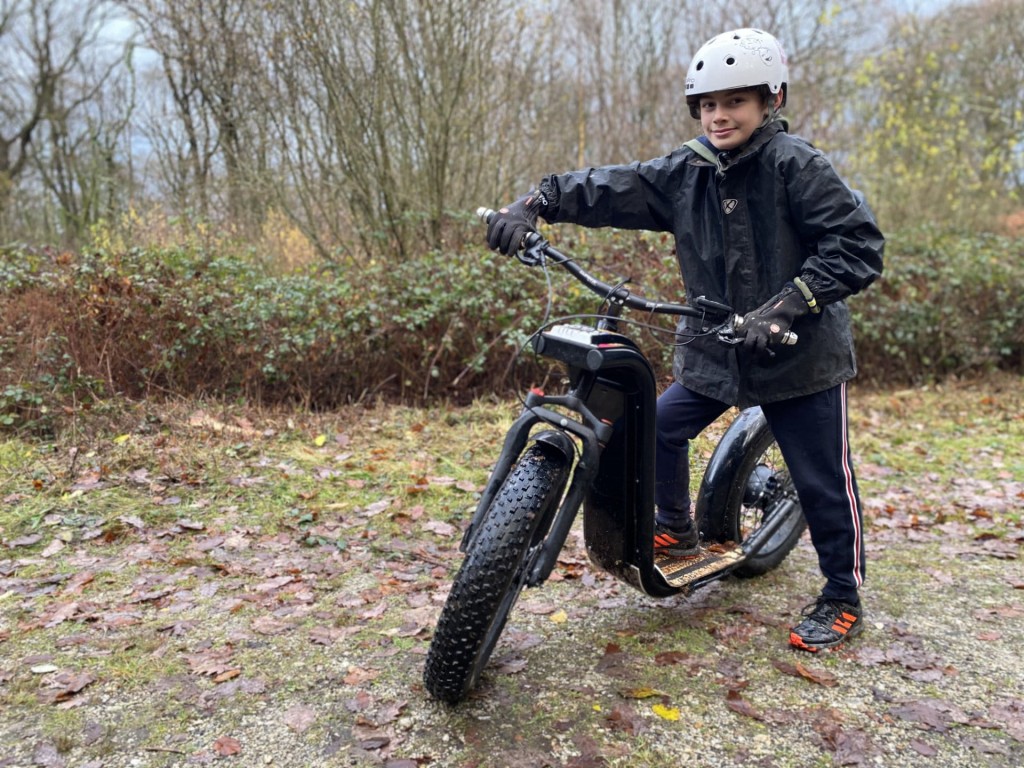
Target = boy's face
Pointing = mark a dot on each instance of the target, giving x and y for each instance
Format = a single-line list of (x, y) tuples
[(729, 118)]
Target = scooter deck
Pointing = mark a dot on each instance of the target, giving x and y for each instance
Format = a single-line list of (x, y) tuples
[(684, 571)]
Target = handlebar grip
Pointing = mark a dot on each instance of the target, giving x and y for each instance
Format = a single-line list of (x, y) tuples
[(529, 240), (788, 338)]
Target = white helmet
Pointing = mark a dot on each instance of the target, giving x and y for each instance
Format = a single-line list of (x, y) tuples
[(743, 58)]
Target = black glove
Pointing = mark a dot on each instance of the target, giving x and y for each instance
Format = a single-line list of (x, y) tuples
[(508, 226), (767, 324)]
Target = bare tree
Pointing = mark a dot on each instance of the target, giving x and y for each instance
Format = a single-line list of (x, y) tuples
[(206, 133), (57, 129), (627, 72), (941, 116), (623, 66), (378, 125), (391, 116)]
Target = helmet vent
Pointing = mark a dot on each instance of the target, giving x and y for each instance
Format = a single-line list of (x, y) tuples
[(730, 61), (700, 66)]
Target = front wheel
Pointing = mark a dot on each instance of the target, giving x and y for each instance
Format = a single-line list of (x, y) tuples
[(494, 572)]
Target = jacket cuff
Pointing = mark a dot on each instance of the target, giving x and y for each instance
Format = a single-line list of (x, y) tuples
[(808, 294), (549, 193)]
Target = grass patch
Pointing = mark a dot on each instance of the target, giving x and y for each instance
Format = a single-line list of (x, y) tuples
[(213, 566)]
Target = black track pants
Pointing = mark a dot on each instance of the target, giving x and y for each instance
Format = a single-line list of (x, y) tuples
[(813, 436)]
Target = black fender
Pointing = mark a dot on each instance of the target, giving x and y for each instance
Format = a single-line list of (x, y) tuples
[(722, 474), (515, 443), (559, 441)]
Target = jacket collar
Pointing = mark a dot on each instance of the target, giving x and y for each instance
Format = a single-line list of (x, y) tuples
[(725, 160)]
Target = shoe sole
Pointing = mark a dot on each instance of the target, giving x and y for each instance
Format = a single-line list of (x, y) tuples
[(799, 643), (689, 552)]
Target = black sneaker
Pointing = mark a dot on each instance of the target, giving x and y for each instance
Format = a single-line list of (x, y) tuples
[(827, 623), (676, 544)]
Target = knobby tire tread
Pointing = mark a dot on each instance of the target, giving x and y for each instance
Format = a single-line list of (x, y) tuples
[(486, 585)]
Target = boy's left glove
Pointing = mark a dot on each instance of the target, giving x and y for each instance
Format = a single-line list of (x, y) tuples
[(512, 223), (767, 324)]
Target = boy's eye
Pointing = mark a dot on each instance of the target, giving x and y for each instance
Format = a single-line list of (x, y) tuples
[(732, 101)]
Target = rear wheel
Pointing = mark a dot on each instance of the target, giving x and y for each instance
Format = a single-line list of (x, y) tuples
[(494, 572), (763, 491)]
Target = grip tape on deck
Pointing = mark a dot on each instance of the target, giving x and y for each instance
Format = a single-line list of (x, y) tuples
[(683, 571)]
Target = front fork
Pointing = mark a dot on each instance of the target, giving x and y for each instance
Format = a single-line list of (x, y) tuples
[(612, 404), (592, 434)]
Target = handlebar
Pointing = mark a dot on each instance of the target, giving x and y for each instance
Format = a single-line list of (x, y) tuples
[(536, 245), (534, 249)]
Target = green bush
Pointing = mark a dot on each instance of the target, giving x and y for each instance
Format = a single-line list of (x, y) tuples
[(947, 305), (181, 322)]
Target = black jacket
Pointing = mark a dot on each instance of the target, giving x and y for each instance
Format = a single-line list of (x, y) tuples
[(743, 227)]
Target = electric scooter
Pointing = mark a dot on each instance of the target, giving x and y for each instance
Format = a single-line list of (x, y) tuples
[(591, 447)]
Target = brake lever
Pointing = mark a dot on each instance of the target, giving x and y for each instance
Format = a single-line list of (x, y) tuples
[(727, 331), (532, 252)]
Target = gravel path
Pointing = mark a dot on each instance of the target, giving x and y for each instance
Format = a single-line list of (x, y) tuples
[(590, 673)]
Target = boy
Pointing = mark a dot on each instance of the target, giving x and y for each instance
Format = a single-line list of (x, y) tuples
[(762, 223)]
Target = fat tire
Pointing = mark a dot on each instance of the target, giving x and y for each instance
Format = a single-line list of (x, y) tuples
[(785, 539), (493, 574)]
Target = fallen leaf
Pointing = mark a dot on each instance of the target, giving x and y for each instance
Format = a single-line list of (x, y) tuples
[(799, 670), (299, 718), (641, 693), (741, 706), (929, 714), (226, 675), (26, 541), (268, 625), (78, 582), (226, 746), (509, 666), (441, 528), (665, 712), (325, 635), (53, 548), (357, 676), (667, 658), (374, 742), (275, 583), (63, 685), (625, 718), (922, 748), (62, 614), (212, 662), (376, 508)]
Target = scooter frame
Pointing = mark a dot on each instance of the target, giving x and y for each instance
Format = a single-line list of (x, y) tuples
[(609, 408)]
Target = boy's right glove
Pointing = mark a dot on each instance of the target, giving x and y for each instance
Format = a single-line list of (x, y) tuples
[(767, 324), (512, 223)]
